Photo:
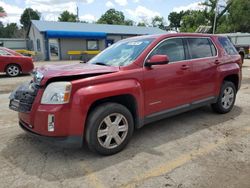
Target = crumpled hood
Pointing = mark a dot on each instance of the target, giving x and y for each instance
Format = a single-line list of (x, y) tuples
[(52, 71)]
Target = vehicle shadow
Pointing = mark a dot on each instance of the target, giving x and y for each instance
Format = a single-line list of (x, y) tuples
[(53, 163), (6, 76)]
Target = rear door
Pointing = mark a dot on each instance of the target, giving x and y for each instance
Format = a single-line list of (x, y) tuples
[(204, 58)]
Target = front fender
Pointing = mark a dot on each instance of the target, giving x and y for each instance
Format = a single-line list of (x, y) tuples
[(85, 97)]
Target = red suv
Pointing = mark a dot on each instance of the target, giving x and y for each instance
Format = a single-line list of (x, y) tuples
[(132, 83)]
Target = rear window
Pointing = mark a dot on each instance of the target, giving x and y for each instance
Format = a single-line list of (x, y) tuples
[(201, 48), (228, 46)]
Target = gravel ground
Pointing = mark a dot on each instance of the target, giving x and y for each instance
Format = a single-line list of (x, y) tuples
[(194, 149)]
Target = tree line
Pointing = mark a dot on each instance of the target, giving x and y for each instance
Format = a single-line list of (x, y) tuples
[(234, 16)]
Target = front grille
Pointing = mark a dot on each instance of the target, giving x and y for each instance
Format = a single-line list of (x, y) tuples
[(24, 95)]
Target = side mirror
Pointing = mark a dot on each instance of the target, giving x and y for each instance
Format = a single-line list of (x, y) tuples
[(157, 60)]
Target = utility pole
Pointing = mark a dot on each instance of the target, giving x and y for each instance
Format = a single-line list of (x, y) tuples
[(215, 16), (77, 13), (29, 13)]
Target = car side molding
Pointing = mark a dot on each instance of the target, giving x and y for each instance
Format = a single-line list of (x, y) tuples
[(178, 110)]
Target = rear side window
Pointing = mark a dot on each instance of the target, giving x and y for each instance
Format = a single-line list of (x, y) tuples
[(173, 48), (201, 48), (228, 46)]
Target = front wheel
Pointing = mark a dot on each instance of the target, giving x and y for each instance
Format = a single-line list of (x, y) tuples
[(226, 99), (109, 128)]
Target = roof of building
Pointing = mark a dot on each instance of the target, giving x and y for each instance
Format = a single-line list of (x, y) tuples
[(236, 34), (44, 26)]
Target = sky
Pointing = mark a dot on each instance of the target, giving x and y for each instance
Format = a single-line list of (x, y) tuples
[(91, 10)]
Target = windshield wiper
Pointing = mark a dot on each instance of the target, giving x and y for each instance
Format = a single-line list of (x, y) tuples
[(100, 63)]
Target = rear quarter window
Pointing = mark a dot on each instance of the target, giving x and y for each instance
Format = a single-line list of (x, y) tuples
[(201, 48), (227, 46)]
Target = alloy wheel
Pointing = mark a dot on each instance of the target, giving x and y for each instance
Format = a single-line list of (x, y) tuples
[(228, 97), (112, 131), (13, 70)]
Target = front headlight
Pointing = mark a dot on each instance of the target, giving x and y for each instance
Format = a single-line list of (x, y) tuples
[(57, 93)]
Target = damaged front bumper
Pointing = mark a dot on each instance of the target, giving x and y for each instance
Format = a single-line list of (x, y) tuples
[(22, 98), (62, 141), (51, 123)]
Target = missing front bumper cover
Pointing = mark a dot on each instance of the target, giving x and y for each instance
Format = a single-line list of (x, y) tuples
[(22, 98)]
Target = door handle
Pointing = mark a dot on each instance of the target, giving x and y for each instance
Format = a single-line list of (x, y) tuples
[(185, 67), (217, 62)]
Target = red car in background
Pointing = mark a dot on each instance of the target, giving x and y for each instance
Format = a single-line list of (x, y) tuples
[(14, 63)]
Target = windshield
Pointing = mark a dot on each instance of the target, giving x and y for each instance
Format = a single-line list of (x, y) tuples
[(4, 53), (8, 52), (121, 53)]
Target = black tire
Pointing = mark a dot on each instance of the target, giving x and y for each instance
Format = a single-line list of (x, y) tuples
[(219, 107), (13, 70), (95, 121)]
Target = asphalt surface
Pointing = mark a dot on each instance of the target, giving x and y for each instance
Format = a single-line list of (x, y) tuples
[(195, 149)]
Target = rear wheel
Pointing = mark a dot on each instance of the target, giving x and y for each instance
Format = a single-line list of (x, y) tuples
[(226, 99), (13, 70), (109, 128)]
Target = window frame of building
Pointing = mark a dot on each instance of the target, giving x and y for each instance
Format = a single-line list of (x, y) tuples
[(92, 49), (109, 42), (38, 45), (31, 45)]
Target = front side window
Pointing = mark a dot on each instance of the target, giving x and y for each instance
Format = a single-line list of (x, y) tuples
[(92, 45), (201, 48), (122, 53), (228, 46), (173, 48)]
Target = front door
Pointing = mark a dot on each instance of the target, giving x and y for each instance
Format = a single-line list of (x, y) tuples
[(167, 86), (54, 49)]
